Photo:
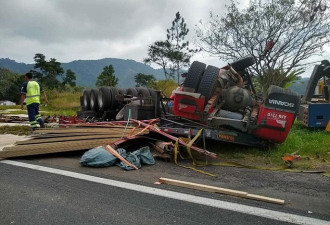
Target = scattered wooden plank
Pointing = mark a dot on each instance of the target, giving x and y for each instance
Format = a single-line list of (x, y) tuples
[(50, 136), (214, 189), (45, 148), (79, 130), (66, 138)]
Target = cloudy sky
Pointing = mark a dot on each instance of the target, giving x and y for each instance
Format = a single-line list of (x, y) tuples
[(83, 29), (69, 30)]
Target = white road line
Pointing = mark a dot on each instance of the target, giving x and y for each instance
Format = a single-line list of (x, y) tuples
[(255, 211)]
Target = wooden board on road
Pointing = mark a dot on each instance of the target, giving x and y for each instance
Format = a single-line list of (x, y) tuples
[(69, 139), (214, 189)]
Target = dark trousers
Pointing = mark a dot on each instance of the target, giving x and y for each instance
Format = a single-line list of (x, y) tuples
[(34, 116)]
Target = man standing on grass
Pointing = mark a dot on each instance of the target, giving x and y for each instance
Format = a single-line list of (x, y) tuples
[(31, 91)]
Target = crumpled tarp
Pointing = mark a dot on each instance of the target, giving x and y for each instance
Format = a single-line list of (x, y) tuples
[(100, 157)]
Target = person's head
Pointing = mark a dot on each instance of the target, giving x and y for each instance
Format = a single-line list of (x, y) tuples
[(28, 76)]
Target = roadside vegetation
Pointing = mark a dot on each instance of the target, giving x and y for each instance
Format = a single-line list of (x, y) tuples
[(313, 145)]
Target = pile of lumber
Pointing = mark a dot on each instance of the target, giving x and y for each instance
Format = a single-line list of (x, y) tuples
[(56, 140)]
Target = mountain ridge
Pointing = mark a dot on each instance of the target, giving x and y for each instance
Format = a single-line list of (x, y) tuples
[(87, 70), (125, 69)]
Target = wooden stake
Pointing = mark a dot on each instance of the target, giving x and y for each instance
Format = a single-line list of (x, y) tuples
[(116, 154), (213, 189)]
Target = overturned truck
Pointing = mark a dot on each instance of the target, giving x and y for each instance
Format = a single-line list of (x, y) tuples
[(220, 101)]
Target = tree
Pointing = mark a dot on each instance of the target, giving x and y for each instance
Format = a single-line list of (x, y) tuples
[(70, 78), (143, 80), (180, 52), (10, 85), (174, 53), (49, 71), (280, 34), (278, 77), (107, 77), (158, 53)]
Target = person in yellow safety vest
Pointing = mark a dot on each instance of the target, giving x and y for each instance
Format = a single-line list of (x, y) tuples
[(31, 92)]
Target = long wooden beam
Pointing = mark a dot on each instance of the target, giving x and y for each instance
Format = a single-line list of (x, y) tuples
[(226, 191)]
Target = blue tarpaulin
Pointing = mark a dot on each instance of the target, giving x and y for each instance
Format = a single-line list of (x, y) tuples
[(100, 157)]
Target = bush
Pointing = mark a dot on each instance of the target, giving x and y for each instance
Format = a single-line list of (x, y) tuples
[(166, 86)]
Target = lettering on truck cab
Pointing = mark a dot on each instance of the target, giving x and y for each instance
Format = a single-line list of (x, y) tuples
[(278, 102)]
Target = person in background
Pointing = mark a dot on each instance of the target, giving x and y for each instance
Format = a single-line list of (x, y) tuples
[(31, 92)]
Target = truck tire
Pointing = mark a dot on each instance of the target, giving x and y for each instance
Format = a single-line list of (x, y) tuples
[(82, 106), (143, 92), (93, 99), (122, 91), (153, 95), (104, 98), (132, 92), (241, 64), (114, 101), (209, 82), (86, 99), (194, 76)]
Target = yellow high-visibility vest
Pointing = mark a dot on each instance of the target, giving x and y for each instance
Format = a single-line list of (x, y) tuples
[(32, 93)]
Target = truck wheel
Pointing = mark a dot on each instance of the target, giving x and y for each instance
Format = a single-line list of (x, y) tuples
[(194, 76), (209, 82), (82, 103), (104, 98), (241, 64), (143, 92), (93, 99), (153, 95), (122, 91), (114, 93), (86, 99), (132, 92)]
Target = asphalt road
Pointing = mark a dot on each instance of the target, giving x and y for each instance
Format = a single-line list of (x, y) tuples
[(31, 196)]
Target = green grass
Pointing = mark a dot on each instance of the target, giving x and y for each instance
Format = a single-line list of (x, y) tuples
[(17, 130), (60, 103), (313, 145)]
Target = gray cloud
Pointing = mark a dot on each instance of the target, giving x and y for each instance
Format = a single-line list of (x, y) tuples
[(82, 29)]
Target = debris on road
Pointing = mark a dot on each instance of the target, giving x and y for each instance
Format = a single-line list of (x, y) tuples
[(56, 140), (213, 189), (108, 156)]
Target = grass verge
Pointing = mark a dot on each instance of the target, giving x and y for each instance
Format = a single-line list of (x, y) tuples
[(313, 145), (17, 130)]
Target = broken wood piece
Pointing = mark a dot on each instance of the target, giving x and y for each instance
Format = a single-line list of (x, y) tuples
[(117, 155), (214, 189)]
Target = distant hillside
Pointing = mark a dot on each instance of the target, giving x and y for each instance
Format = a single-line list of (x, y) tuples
[(88, 70), (300, 86)]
